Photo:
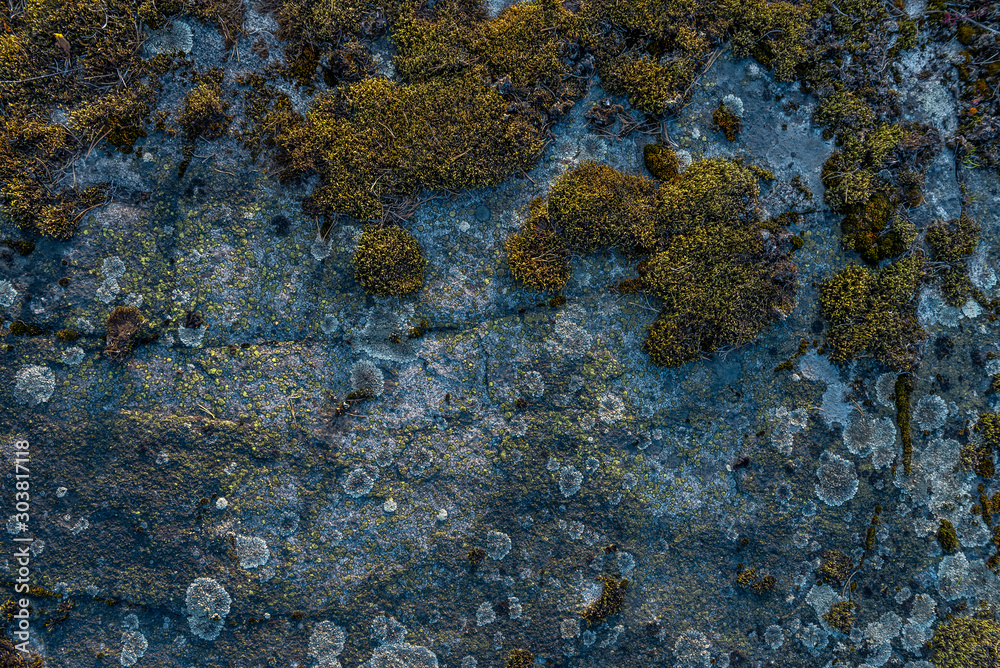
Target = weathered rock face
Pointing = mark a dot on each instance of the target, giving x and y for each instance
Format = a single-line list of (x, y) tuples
[(282, 462)]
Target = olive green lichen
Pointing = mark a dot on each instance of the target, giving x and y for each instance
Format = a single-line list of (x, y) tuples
[(609, 602), (947, 537), (951, 243), (966, 642), (389, 261), (840, 617), (874, 313)]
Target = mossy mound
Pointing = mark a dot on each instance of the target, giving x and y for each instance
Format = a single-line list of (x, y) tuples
[(966, 642), (661, 161), (375, 140), (874, 231), (388, 261), (204, 112), (520, 658), (874, 313), (595, 206), (850, 174), (840, 616), (538, 258), (951, 244), (947, 537), (711, 191), (720, 285)]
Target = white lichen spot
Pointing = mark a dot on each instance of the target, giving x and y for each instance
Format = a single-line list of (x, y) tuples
[(221, 503), (174, 36), (930, 412), (514, 607), (113, 267), (389, 507), (207, 606), (330, 324), (133, 299), (7, 294), (367, 379), (534, 383), (359, 482), (497, 545), (81, 525), (326, 642), (162, 458), (73, 356), (252, 551), (774, 636), (485, 614), (692, 650), (34, 384), (733, 105), (61, 492), (192, 337), (134, 646), (611, 408), (885, 389), (108, 290), (838, 480), (569, 628), (570, 480)]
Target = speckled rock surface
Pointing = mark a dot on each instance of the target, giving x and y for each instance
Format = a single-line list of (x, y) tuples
[(220, 452)]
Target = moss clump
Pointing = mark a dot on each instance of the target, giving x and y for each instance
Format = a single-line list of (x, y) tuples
[(520, 658), (661, 161), (204, 114), (389, 261), (650, 86), (874, 313), (851, 174), (68, 335), (119, 117), (376, 140), (836, 566), (537, 256), (966, 642), (710, 191), (842, 113), (774, 33), (22, 247), (720, 285), (947, 537), (609, 602), (19, 328), (727, 122), (123, 330), (750, 578), (874, 231), (595, 206), (951, 243), (840, 617), (746, 578)]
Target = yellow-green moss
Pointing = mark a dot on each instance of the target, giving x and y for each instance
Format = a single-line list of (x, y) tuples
[(389, 261), (951, 243), (117, 117), (650, 86), (375, 139), (850, 174), (840, 617), (711, 191), (874, 313), (661, 161), (947, 537), (204, 113), (520, 658), (836, 566), (874, 231), (537, 256), (595, 206), (774, 33), (720, 285), (966, 642)]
